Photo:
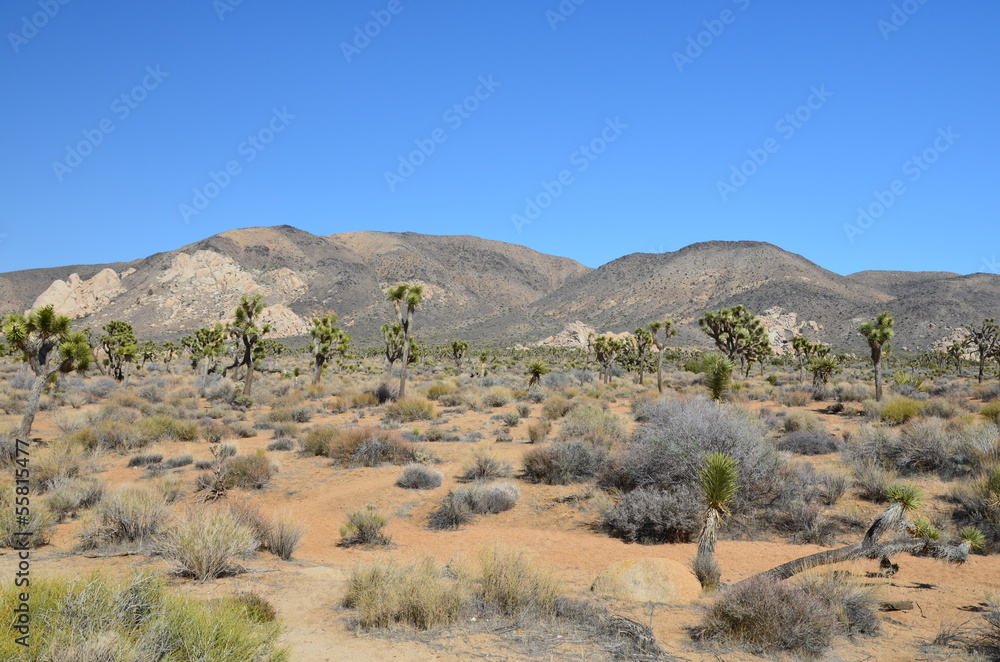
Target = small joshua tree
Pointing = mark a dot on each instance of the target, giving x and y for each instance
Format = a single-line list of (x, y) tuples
[(718, 482), (49, 346), (328, 341), (878, 333), (458, 350), (120, 347), (667, 327), (248, 336), (409, 296), (535, 370)]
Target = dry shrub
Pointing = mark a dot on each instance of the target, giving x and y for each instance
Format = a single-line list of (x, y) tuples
[(593, 424), (317, 441), (385, 594), (370, 447), (459, 506), (130, 514), (283, 536), (556, 407), (410, 409), (419, 477), (515, 588), (809, 442), (766, 617), (485, 466), (209, 542), (650, 515), (563, 462), (537, 432), (365, 526)]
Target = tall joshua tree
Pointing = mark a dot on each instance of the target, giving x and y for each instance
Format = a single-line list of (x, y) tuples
[(458, 350), (878, 333), (405, 298), (737, 333), (667, 327), (49, 346), (121, 347), (205, 346), (248, 336), (985, 339), (718, 482), (328, 341), (643, 339), (606, 349)]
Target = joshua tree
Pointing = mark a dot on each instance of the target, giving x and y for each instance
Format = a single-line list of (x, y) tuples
[(205, 346), (606, 349), (535, 370), (718, 482), (799, 346), (410, 296), (248, 336), (643, 339), (458, 350), (822, 368), (328, 341), (917, 540), (49, 346), (170, 350), (667, 326), (878, 333), (737, 333), (121, 347), (985, 338)]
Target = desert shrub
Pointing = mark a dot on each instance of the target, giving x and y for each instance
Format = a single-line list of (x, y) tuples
[(833, 487), (853, 604), (38, 530), (514, 587), (364, 400), (281, 444), (251, 471), (485, 466), (213, 432), (145, 459), (130, 514), (317, 441), (421, 596), (100, 387), (940, 408), (809, 442), (669, 447), (111, 435), (978, 502), (365, 526), (419, 477), (794, 397), (593, 424), (497, 396), (410, 409), (897, 411), (69, 421), (435, 391), (179, 461), (556, 407), (991, 411), (283, 536), (766, 617), (67, 496), (563, 463), (209, 542), (537, 432), (650, 515), (290, 415), (434, 433), (370, 447), (242, 430), (99, 619), (801, 419), (927, 445), (59, 460), (872, 480), (510, 418), (459, 506)]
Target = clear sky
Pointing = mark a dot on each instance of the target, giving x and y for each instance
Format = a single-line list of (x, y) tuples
[(614, 127)]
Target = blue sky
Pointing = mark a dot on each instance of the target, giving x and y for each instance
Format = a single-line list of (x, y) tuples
[(614, 128)]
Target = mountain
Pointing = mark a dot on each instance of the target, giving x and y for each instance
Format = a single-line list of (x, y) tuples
[(483, 290)]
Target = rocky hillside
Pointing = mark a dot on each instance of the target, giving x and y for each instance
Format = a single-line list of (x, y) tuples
[(484, 290)]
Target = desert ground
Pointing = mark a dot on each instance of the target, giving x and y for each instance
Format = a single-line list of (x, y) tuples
[(451, 416)]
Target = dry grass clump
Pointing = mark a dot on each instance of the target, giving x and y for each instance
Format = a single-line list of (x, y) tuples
[(766, 617), (370, 447), (563, 462), (209, 542), (38, 529), (461, 505), (808, 442), (485, 466), (69, 495), (419, 477), (515, 588), (537, 432), (595, 425), (365, 527), (556, 407), (283, 536), (408, 410), (131, 514), (385, 594)]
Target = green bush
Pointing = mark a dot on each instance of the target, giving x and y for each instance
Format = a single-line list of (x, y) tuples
[(410, 409), (991, 411), (899, 410), (595, 425), (96, 619), (365, 527)]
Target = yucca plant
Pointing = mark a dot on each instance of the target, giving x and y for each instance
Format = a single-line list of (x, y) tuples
[(718, 482), (535, 370), (718, 376)]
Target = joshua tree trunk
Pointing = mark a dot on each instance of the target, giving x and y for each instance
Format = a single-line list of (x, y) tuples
[(659, 371), (317, 371), (878, 382), (31, 408)]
